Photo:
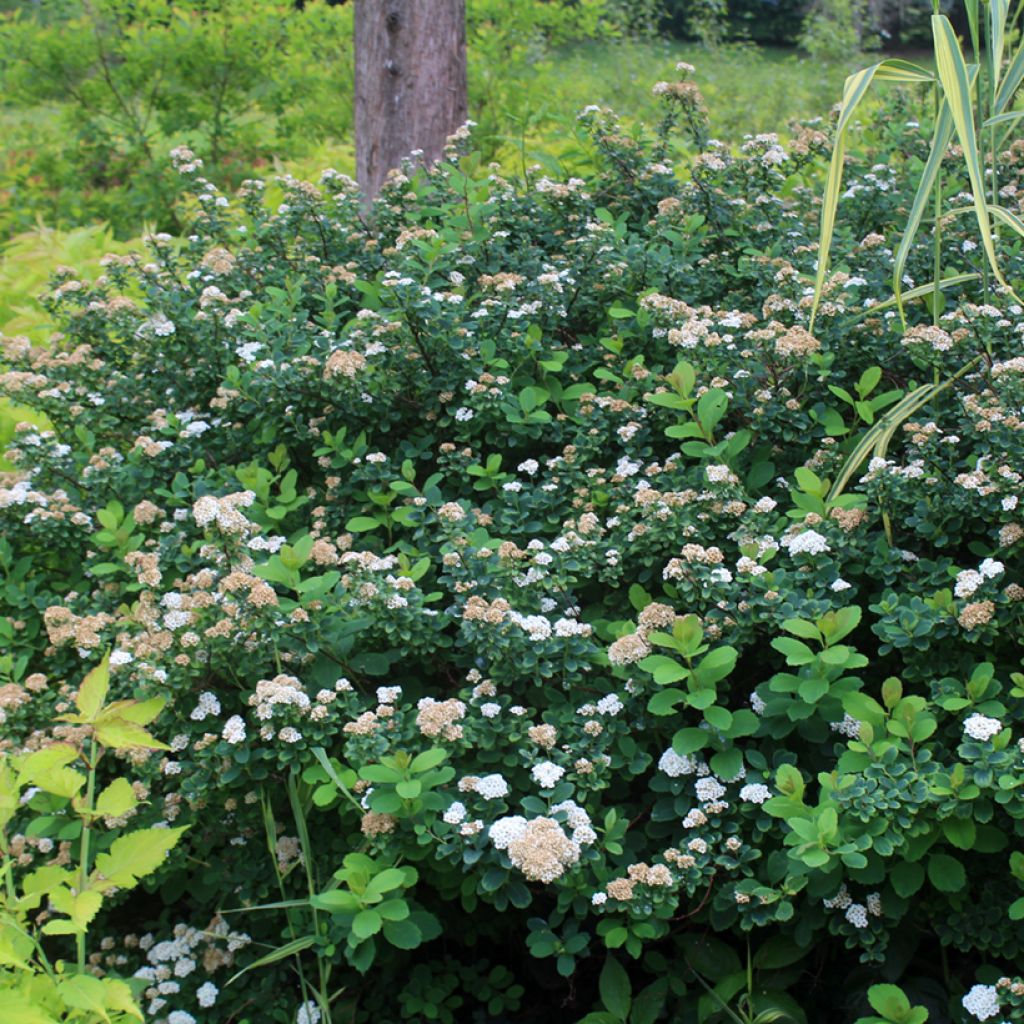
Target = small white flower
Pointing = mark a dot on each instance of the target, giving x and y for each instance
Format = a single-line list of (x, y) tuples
[(755, 793), (492, 787), (979, 727), (455, 814), (206, 994), (982, 1002), (547, 774)]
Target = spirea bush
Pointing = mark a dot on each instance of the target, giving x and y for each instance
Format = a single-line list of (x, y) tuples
[(522, 659)]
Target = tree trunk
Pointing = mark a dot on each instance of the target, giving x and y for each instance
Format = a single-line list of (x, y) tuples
[(410, 87)]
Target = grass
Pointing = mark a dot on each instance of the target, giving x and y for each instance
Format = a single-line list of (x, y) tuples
[(748, 89)]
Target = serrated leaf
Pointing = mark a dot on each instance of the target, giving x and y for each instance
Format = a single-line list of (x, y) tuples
[(403, 934), (21, 1008), (93, 690), (133, 856), (889, 1001), (116, 799), (366, 924), (120, 734)]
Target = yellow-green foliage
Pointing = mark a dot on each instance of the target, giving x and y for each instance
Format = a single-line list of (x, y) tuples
[(25, 266)]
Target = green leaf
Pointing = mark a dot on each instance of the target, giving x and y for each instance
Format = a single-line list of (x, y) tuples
[(281, 953), (409, 789), (956, 84), (795, 651), (906, 878), (361, 524), (889, 1001), (716, 665), (687, 741), (802, 628), (367, 923), (393, 910), (946, 873), (665, 701), (133, 856), (648, 1003), (83, 992), (386, 881), (21, 1008), (616, 991), (116, 799), (726, 764), (427, 759), (93, 690), (961, 832), (335, 901), (854, 91), (120, 734), (403, 934)]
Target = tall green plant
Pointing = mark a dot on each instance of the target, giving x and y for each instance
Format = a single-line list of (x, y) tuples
[(36, 988), (969, 98)]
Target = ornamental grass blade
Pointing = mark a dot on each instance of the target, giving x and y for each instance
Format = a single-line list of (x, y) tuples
[(855, 89), (940, 142), (973, 25), (1011, 220), (281, 953), (917, 293), (869, 442), (997, 15), (1010, 83), (956, 85)]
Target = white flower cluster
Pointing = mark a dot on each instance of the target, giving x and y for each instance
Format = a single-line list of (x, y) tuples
[(982, 1002), (547, 774), (982, 728), (674, 765), (234, 730), (856, 913), (281, 690), (755, 793), (208, 706), (609, 705), (224, 511), (491, 787), (970, 580), (809, 542)]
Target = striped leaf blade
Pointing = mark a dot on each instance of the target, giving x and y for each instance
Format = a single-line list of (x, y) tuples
[(940, 142), (997, 15), (854, 91), (956, 85)]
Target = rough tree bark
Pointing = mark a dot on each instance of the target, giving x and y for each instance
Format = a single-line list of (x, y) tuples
[(410, 82)]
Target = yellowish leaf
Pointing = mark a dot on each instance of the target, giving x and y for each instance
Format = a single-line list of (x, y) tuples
[(93, 690)]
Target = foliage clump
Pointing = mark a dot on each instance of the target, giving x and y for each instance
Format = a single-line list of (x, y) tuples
[(490, 556)]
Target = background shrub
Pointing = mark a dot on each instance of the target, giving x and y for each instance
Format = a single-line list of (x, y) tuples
[(509, 622)]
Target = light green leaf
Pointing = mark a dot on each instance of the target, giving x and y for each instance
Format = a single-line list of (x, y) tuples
[(93, 690), (133, 856), (116, 799), (366, 923), (21, 1008)]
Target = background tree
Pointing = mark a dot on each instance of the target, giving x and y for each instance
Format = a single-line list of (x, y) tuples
[(410, 82)]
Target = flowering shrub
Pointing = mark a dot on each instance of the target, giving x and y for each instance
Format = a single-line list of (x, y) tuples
[(518, 650)]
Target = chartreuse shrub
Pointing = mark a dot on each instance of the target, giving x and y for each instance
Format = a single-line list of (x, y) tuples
[(56, 785), (523, 658)]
